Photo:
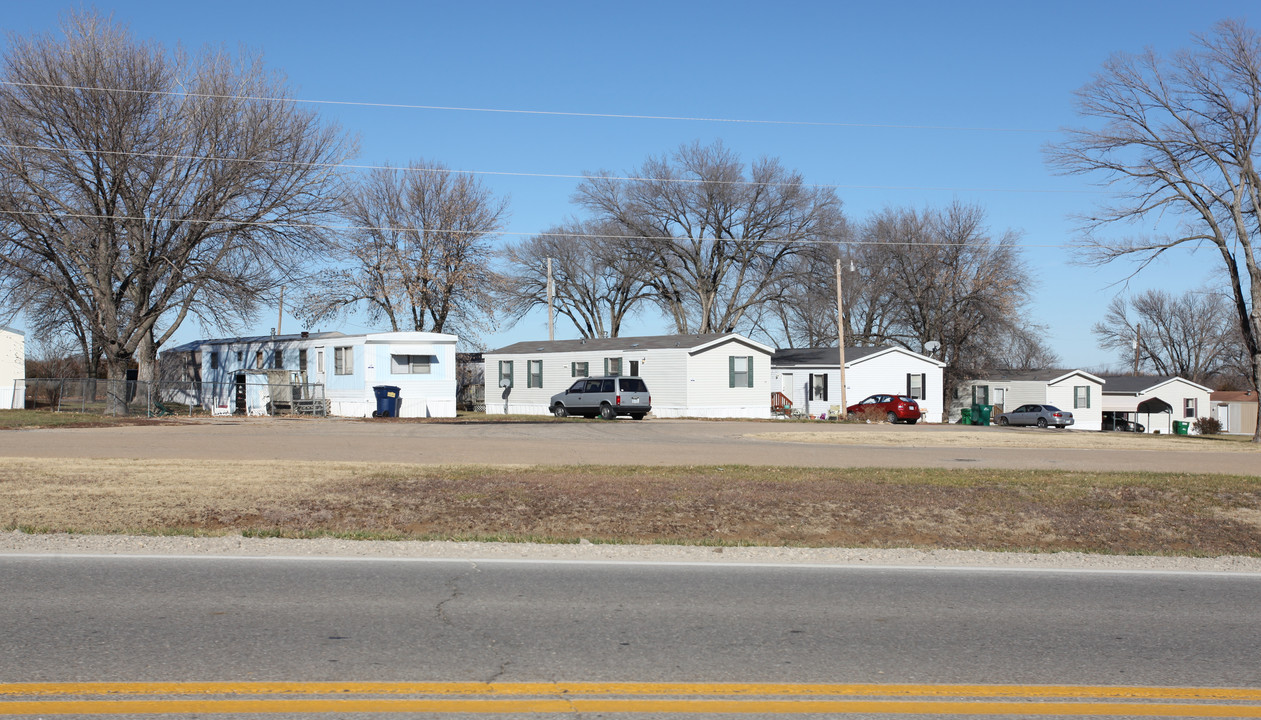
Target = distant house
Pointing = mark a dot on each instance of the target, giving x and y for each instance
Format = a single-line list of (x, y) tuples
[(711, 375), (1155, 401), (810, 378), (347, 367), (12, 368), (1236, 410), (1077, 391)]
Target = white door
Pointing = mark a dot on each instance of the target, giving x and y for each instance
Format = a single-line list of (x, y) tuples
[(786, 386)]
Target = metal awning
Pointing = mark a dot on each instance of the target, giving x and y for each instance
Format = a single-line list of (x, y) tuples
[(1154, 405)]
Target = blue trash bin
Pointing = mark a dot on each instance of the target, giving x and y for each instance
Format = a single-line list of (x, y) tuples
[(387, 401)]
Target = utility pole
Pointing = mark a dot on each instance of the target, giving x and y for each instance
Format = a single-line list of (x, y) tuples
[(1138, 343), (840, 332), (551, 324)]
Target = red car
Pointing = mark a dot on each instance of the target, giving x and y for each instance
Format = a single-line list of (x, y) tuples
[(895, 408)]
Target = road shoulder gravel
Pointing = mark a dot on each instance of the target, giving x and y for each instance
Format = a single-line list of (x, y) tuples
[(19, 543)]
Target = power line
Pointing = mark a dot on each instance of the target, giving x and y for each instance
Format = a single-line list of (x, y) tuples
[(560, 113), (564, 176), (501, 233)]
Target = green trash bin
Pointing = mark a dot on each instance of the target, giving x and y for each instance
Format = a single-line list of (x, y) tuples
[(965, 416), (1180, 427), (986, 411), (976, 415)]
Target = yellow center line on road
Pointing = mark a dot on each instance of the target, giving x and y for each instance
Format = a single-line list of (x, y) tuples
[(636, 705), (106, 698)]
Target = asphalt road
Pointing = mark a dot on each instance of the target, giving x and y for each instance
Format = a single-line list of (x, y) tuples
[(664, 442), (236, 619)]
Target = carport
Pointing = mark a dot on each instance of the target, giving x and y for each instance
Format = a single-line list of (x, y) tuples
[(1153, 406)]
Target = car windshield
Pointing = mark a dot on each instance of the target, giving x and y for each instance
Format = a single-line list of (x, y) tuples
[(905, 398), (634, 385), (1051, 408)]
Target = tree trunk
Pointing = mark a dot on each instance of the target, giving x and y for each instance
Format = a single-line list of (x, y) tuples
[(117, 389)]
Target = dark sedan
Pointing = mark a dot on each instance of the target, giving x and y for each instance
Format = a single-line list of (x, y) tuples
[(1040, 415)]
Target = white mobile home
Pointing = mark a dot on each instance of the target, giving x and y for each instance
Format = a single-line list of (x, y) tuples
[(12, 368), (1156, 401), (422, 365), (711, 375), (1074, 390), (810, 377)]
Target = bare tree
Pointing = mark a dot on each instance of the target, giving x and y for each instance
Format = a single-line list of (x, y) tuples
[(137, 183), (1178, 141), (597, 282), (1193, 335), (718, 240), (419, 254), (947, 280)]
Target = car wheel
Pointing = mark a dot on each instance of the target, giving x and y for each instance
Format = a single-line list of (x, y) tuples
[(560, 411), (1042, 423), (606, 412), (1002, 421), (892, 417)]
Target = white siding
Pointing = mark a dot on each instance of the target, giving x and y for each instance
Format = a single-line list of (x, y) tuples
[(1063, 393), (709, 391), (1175, 392), (12, 368), (681, 384), (887, 373)]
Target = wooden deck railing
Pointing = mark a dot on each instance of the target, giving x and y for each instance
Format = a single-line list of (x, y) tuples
[(780, 404)]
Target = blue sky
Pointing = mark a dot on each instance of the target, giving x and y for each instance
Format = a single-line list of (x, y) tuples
[(921, 104)]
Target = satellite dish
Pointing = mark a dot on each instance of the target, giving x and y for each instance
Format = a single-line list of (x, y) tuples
[(932, 346)]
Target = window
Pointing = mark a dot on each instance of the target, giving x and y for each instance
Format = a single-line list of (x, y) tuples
[(319, 361), (739, 372), (240, 356), (534, 374), (578, 369), (258, 359), (302, 360), (1081, 396), (612, 366), (818, 387), (344, 361), (1189, 407), (634, 367), (980, 394), (214, 361), (1000, 397), (915, 385), (278, 359), (505, 373), (411, 364)]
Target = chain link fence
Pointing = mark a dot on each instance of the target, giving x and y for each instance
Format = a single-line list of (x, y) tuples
[(134, 398)]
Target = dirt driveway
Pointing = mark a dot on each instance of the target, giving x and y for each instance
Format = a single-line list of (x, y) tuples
[(651, 442)]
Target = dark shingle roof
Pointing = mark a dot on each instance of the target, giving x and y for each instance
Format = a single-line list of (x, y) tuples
[(821, 356), (647, 342), (1133, 383), (1041, 374)]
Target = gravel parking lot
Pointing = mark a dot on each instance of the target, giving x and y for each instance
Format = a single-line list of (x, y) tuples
[(652, 442)]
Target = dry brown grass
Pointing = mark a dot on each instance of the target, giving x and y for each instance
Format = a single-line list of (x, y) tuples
[(973, 509)]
